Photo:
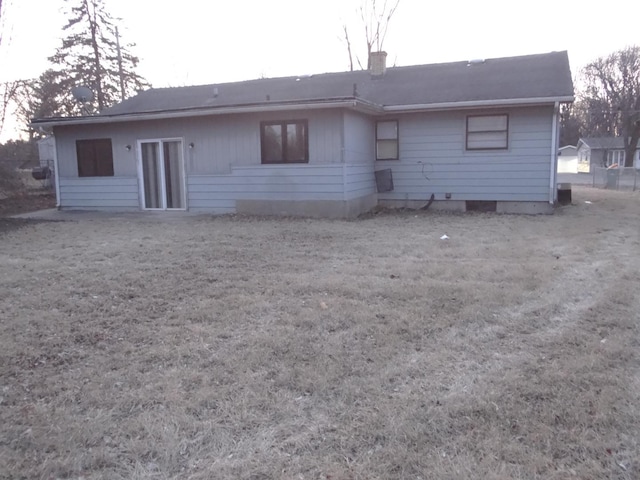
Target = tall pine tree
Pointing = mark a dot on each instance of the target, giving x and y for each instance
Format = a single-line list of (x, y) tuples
[(88, 57)]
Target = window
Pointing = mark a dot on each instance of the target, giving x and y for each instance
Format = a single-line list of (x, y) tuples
[(95, 158), (487, 132), (284, 142), (615, 157), (387, 140)]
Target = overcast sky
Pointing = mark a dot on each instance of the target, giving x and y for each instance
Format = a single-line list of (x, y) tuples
[(190, 42)]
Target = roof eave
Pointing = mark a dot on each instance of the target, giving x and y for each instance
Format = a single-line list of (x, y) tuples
[(354, 103), (506, 102)]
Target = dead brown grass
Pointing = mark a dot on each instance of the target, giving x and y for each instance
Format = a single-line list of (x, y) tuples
[(195, 347)]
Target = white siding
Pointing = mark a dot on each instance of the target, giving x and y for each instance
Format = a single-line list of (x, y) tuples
[(433, 159)]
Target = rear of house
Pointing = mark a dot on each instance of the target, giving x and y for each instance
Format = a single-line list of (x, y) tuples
[(459, 133)]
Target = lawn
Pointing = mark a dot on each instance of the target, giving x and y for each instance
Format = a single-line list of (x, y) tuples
[(195, 347)]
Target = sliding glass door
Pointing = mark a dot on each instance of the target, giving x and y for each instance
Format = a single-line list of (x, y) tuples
[(161, 171)]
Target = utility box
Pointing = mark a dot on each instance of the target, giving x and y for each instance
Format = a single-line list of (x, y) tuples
[(384, 180), (564, 193), (613, 177)]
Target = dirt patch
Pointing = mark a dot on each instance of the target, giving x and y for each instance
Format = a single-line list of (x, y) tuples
[(26, 201), (143, 346)]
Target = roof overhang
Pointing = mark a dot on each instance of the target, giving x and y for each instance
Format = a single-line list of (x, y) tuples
[(352, 103)]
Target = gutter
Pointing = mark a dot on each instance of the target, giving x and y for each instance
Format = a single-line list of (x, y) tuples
[(508, 102), (349, 102), (554, 153), (56, 172), (101, 119)]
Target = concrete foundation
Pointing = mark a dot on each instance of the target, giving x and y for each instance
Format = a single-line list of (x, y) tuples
[(526, 208), (438, 205), (308, 208)]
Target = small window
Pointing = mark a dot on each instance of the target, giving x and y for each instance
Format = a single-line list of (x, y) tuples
[(284, 142), (95, 158), (487, 132), (387, 140)]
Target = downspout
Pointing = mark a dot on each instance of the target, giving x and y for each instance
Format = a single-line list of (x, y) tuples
[(56, 172), (554, 154)]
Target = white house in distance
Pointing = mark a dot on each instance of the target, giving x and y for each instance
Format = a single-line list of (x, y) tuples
[(567, 159), (482, 132)]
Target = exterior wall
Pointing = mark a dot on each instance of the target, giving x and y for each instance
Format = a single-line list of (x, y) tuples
[(220, 143), (105, 193), (359, 154), (310, 190), (433, 159), (568, 159), (224, 173), (359, 138), (584, 158)]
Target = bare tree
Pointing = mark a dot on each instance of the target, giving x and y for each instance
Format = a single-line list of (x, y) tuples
[(611, 98), (9, 94), (375, 20)]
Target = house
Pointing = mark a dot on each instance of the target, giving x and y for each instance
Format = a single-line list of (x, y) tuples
[(602, 152), (482, 132), (567, 159)]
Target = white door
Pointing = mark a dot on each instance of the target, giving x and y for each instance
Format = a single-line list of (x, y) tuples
[(161, 171)]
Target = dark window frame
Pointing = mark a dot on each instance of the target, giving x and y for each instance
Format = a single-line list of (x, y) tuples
[(397, 139), (506, 131), (285, 147), (94, 157)]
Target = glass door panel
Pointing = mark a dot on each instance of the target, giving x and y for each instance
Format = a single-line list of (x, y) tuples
[(162, 173), (173, 174), (151, 175)]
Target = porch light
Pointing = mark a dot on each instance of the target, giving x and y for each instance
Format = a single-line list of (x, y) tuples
[(128, 148)]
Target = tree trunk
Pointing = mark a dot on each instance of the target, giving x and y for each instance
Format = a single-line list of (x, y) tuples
[(97, 74)]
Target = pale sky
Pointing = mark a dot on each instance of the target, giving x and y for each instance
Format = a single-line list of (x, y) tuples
[(191, 42)]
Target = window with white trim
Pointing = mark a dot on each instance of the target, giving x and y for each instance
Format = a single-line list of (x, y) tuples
[(487, 132), (387, 140), (615, 157)]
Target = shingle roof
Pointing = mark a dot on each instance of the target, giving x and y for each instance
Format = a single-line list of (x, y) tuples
[(603, 143), (530, 79), (525, 77)]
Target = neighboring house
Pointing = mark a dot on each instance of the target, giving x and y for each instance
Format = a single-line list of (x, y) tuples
[(602, 152), (567, 159), (464, 132)]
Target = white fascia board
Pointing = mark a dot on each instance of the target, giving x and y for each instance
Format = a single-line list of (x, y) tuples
[(510, 102), (136, 117)]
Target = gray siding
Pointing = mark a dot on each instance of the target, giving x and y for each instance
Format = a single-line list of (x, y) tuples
[(433, 159), (359, 180), (359, 138), (218, 193), (219, 142), (99, 192)]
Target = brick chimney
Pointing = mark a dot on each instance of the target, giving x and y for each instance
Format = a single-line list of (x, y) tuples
[(378, 64)]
